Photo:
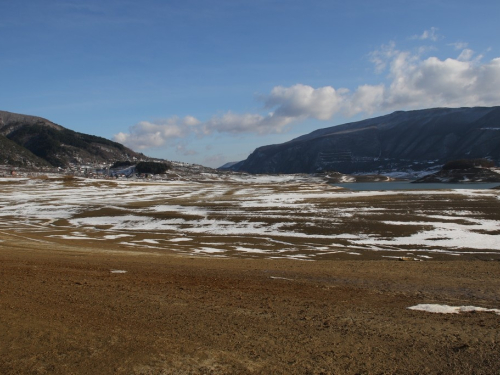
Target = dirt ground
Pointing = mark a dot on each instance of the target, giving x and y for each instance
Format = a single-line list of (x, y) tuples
[(63, 311)]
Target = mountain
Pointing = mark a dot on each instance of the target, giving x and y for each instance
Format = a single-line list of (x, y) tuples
[(402, 140), (13, 154), (466, 170), (228, 165), (35, 141), (462, 175)]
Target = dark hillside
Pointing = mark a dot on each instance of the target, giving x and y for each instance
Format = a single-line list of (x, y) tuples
[(17, 156), (400, 141), (60, 146)]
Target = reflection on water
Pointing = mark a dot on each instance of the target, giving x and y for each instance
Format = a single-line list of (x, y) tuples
[(407, 185)]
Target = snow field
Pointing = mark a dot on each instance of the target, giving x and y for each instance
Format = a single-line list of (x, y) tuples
[(266, 216)]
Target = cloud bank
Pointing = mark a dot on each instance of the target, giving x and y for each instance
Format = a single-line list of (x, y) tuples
[(410, 82)]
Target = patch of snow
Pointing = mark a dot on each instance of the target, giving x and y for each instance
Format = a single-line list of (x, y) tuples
[(185, 210), (347, 179), (247, 250), (154, 242), (348, 236), (208, 250), (445, 309), (180, 239), (451, 235), (79, 237), (115, 236), (14, 179), (299, 257), (279, 278)]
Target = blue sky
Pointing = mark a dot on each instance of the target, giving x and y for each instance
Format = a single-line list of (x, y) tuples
[(209, 81)]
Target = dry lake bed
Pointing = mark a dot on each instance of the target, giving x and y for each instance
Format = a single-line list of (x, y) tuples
[(246, 275)]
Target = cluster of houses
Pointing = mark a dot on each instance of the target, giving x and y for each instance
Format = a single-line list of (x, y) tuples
[(178, 171), (124, 172), (98, 171)]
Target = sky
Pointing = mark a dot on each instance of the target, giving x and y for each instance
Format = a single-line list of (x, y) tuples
[(208, 81)]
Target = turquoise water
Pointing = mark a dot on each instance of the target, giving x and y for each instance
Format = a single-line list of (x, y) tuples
[(407, 185)]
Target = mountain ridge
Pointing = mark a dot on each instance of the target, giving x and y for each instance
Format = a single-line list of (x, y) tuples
[(41, 139), (17, 156), (401, 140)]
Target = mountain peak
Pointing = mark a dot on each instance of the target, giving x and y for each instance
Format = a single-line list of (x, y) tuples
[(10, 122)]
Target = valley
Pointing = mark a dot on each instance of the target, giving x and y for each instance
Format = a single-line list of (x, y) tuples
[(273, 217)]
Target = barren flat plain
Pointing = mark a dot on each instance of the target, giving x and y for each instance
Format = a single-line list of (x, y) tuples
[(246, 275)]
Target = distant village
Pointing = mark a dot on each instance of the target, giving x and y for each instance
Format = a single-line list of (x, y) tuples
[(175, 171), (97, 171)]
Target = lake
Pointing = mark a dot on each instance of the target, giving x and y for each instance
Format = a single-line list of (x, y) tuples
[(407, 185)]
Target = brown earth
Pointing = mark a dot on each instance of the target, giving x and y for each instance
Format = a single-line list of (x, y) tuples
[(62, 311)]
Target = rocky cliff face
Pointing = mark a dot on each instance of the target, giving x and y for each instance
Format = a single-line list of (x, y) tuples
[(54, 144), (402, 140)]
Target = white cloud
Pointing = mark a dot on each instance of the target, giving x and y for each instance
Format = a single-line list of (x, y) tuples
[(411, 82), (465, 55), (301, 101), (459, 45), (247, 123), (147, 134), (367, 99), (191, 121), (382, 56), (434, 82), (430, 34)]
